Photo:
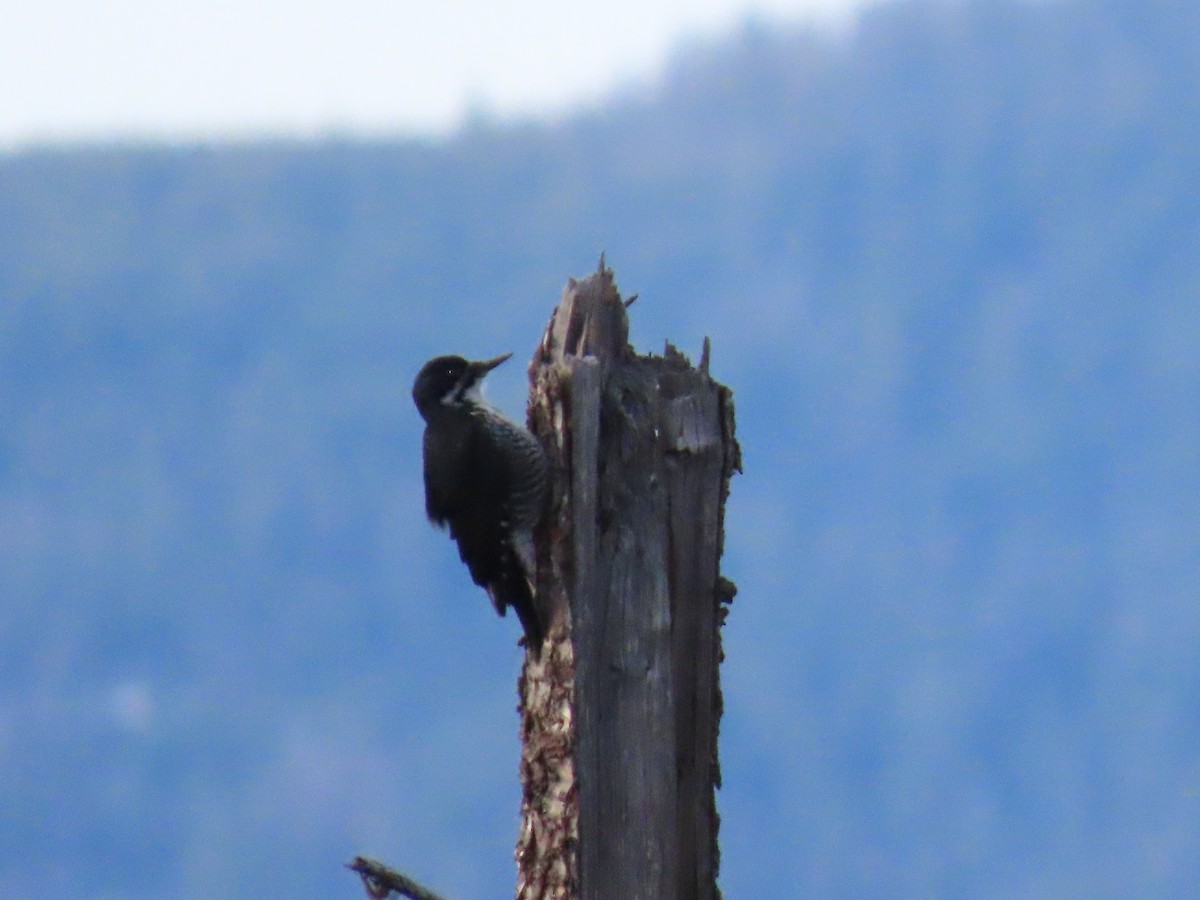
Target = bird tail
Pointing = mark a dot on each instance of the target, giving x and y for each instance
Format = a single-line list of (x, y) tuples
[(513, 589), (531, 623)]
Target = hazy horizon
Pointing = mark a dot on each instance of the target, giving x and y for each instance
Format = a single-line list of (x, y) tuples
[(191, 71)]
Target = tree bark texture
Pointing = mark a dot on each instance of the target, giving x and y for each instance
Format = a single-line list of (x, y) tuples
[(621, 711)]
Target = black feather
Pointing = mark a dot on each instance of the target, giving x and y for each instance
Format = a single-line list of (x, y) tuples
[(478, 470)]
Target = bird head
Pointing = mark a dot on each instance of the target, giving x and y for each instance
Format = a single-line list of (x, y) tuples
[(450, 381)]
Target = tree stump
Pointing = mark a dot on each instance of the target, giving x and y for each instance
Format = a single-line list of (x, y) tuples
[(620, 713)]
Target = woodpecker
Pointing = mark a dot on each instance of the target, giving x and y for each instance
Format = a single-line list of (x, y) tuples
[(487, 478)]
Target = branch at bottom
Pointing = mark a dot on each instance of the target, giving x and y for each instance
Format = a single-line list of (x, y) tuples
[(380, 881)]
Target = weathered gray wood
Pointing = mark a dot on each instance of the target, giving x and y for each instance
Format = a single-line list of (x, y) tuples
[(696, 471), (620, 713)]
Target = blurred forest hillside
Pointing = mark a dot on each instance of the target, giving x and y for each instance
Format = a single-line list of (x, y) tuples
[(950, 263)]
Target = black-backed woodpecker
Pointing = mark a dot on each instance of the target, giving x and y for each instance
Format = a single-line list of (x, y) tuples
[(488, 479)]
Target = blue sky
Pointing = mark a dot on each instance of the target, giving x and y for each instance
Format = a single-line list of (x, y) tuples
[(183, 69)]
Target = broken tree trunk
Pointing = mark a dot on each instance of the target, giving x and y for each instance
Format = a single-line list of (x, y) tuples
[(620, 712)]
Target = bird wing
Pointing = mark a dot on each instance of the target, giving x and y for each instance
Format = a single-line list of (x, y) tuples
[(464, 489), (467, 489), (447, 466)]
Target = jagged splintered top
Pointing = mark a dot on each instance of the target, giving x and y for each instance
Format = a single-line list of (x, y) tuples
[(590, 321)]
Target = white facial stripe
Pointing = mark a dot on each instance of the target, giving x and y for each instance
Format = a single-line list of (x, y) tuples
[(474, 393), (471, 394)]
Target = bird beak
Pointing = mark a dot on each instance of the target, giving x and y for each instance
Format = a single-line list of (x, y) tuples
[(482, 368)]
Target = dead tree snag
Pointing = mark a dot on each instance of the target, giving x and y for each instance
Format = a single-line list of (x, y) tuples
[(620, 713)]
